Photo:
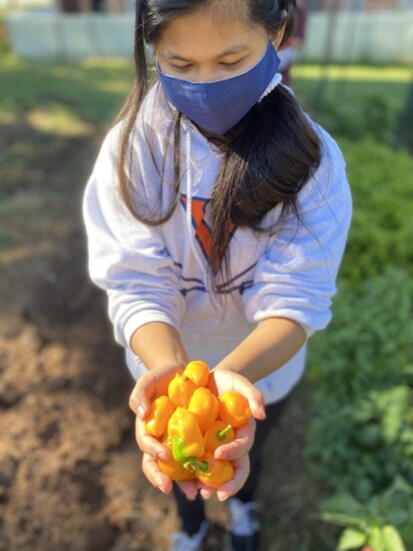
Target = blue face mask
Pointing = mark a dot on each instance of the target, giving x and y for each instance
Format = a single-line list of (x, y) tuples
[(219, 105)]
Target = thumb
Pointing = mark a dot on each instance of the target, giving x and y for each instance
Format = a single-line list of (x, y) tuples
[(256, 403), (252, 394), (139, 404), (139, 400)]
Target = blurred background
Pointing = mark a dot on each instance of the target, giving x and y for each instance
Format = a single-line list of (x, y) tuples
[(341, 464)]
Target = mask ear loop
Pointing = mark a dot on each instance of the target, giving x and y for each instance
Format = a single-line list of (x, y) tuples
[(274, 82), (272, 85)]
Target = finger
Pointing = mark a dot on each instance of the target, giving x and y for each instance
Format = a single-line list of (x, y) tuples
[(207, 491), (241, 472), (148, 444), (252, 394), (224, 380), (241, 445), (189, 488), (141, 395), (152, 384), (154, 475)]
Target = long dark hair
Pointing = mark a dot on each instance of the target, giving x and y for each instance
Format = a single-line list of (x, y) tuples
[(269, 155)]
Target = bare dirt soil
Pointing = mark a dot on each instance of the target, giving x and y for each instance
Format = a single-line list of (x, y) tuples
[(70, 477)]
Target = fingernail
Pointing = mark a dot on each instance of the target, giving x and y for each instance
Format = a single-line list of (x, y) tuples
[(261, 409), (140, 412), (163, 456)]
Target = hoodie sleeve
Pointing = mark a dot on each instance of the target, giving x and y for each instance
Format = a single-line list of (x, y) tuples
[(296, 276), (128, 259)]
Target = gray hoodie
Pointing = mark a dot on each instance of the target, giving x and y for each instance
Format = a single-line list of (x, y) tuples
[(160, 273)]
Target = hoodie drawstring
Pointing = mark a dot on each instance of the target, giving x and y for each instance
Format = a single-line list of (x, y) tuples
[(188, 183), (189, 191)]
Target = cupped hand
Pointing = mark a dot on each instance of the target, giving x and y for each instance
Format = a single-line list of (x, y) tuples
[(223, 380), (241, 445), (155, 476), (151, 385)]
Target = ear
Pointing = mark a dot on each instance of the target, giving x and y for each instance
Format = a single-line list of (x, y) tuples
[(277, 36)]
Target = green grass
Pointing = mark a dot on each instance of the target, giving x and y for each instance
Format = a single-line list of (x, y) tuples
[(90, 91), (51, 115)]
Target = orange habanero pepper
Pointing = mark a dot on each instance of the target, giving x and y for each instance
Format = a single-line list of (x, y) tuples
[(218, 472), (204, 405), (166, 440), (217, 435), (180, 390), (175, 470), (234, 409), (186, 437), (159, 413), (198, 372)]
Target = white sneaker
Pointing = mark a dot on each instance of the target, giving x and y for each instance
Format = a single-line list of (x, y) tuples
[(183, 542), (244, 519), (245, 526)]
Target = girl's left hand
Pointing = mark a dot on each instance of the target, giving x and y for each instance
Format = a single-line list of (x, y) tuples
[(223, 380), (220, 381)]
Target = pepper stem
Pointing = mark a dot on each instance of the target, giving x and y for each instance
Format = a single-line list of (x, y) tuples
[(221, 434), (197, 466)]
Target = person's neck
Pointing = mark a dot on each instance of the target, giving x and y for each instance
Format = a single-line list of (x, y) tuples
[(217, 139), (209, 135)]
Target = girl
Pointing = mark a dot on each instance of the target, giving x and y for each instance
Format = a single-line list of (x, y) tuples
[(217, 215)]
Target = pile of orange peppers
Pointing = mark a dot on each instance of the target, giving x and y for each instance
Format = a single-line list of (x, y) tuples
[(193, 422)]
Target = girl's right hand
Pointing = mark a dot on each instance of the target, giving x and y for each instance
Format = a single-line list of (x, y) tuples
[(151, 385)]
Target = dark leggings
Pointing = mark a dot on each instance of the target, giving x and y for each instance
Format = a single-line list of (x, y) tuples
[(192, 512)]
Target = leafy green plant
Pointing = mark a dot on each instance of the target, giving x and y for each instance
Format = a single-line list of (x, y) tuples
[(361, 446), (405, 130), (370, 117), (4, 41), (360, 438), (372, 525), (369, 344), (382, 227)]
